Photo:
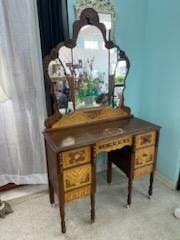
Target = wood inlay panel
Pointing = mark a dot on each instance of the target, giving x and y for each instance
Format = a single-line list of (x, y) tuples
[(76, 157), (146, 139), (78, 193), (84, 116), (77, 177), (143, 170), (144, 156), (113, 144)]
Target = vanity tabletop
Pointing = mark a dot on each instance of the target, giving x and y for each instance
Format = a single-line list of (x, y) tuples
[(79, 136)]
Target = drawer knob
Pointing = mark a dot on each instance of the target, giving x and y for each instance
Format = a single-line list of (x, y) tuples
[(77, 156), (144, 155), (146, 139)]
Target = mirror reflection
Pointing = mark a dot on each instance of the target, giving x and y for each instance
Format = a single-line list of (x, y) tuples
[(61, 88), (88, 75), (120, 72), (107, 20), (90, 65), (119, 78), (65, 57)]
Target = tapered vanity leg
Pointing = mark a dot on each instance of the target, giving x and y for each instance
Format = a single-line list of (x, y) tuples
[(50, 186), (151, 185), (92, 207), (154, 167), (61, 194), (93, 185), (51, 193), (62, 214), (130, 183), (109, 171)]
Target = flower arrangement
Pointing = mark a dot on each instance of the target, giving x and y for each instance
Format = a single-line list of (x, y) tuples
[(90, 85)]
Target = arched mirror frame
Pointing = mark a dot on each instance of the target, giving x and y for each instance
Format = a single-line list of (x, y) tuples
[(88, 17), (103, 6)]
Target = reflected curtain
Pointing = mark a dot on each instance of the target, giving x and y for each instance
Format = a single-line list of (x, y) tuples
[(53, 24), (22, 159)]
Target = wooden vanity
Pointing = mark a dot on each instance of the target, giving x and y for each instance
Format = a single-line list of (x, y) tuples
[(73, 140), (71, 156)]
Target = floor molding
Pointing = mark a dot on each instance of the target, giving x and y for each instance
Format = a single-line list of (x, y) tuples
[(23, 179), (165, 180), (23, 191), (158, 175)]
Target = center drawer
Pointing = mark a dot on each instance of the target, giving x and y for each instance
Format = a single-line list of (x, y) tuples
[(77, 177), (113, 144)]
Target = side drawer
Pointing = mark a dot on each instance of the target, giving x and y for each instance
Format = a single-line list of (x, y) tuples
[(78, 193), (76, 157), (77, 177), (143, 170), (145, 139), (144, 156)]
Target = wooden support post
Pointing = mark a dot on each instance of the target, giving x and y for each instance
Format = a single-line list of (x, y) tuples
[(61, 192), (109, 171), (93, 190)]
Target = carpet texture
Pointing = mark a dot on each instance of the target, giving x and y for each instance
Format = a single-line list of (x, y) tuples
[(35, 219)]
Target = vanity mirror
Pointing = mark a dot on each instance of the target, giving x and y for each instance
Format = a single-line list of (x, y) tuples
[(87, 71)]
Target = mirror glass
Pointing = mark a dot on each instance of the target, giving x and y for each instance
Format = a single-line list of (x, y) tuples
[(90, 69), (107, 20), (119, 79), (65, 57), (113, 60), (88, 75), (120, 72), (58, 73)]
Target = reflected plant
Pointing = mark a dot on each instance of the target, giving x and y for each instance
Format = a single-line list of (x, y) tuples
[(119, 80), (90, 62), (90, 85)]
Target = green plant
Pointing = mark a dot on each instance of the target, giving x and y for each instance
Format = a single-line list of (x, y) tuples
[(119, 80), (90, 85), (89, 88)]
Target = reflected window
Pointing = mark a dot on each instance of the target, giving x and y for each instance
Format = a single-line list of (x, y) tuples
[(121, 70), (90, 44)]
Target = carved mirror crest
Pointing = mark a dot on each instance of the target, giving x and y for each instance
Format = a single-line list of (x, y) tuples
[(105, 10), (88, 70)]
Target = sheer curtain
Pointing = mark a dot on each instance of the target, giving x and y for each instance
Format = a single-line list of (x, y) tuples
[(22, 158)]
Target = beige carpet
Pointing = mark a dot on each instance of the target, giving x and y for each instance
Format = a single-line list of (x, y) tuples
[(35, 219)]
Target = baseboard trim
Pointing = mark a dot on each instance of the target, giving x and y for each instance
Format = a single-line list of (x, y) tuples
[(100, 168), (158, 175), (166, 181), (103, 168), (23, 179)]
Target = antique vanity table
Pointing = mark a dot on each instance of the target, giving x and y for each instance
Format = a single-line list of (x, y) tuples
[(90, 117)]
